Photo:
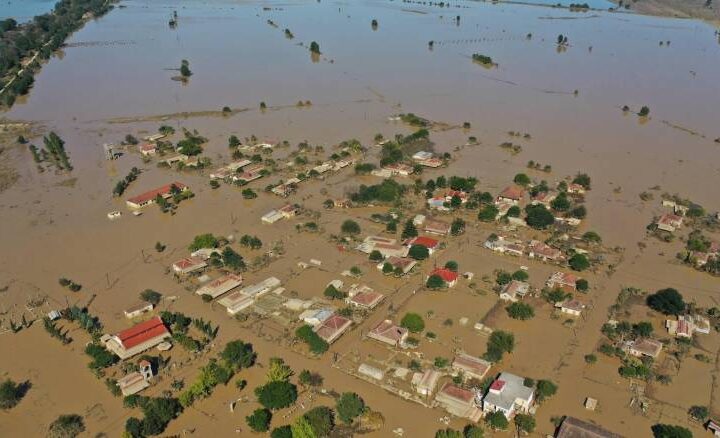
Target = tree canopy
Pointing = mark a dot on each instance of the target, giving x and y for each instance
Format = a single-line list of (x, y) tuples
[(349, 407), (667, 301), (413, 322)]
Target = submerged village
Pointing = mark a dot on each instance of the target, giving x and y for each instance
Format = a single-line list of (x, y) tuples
[(295, 270)]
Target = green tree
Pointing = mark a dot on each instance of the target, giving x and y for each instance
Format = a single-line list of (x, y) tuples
[(409, 230), (231, 259), (259, 420), (203, 241), (233, 141), (457, 227), (387, 268), (670, 431), (524, 423), (413, 322), (315, 47), (561, 203), (332, 293), (282, 432), (497, 421), (699, 413), (238, 354), (488, 213), (498, 343), (520, 275), (520, 311), (435, 282), (376, 256), (278, 371), (545, 389), (350, 227), (321, 420), (448, 433), (349, 407), (276, 395), (522, 179), (452, 265), (472, 431), (539, 217), (301, 428), (667, 301), (644, 111), (579, 262), (419, 252), (151, 296), (582, 285)]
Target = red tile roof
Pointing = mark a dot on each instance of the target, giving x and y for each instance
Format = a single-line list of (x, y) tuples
[(513, 192), (497, 385), (152, 194), (427, 242), (447, 275), (367, 298), (458, 393), (142, 332)]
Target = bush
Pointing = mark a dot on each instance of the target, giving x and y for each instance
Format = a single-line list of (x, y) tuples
[(238, 355), (316, 344), (151, 296), (276, 395), (448, 433), (525, 423), (667, 301), (670, 431), (520, 311), (699, 413), (413, 322), (497, 421), (590, 358), (66, 426), (418, 252), (545, 389), (10, 394), (583, 179), (259, 421), (520, 275), (435, 282), (488, 213), (349, 407), (321, 420), (578, 262), (350, 227), (498, 343), (472, 431), (282, 432), (308, 378), (375, 256), (203, 241), (582, 285), (539, 217)]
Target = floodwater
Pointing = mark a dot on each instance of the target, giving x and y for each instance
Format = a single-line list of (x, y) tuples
[(121, 65), (25, 10)]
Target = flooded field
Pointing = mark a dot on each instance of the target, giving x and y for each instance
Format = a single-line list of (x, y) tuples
[(115, 78)]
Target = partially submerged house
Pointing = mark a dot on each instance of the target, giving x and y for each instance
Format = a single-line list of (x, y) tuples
[(136, 339), (644, 347), (512, 194), (514, 291), (459, 402), (505, 246), (148, 198), (425, 383), (428, 242), (136, 381), (563, 280), (245, 297), (449, 277), (365, 299), (187, 265), (509, 395), (138, 309), (571, 307), (440, 228), (470, 366), (544, 252), (332, 328), (669, 222), (405, 264), (389, 333), (571, 427), (219, 286)]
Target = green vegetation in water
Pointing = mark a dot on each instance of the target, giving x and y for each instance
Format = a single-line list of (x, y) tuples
[(315, 47), (482, 59), (123, 184)]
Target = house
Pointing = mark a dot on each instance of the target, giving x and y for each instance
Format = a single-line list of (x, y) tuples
[(470, 366), (543, 198), (389, 333), (503, 245), (644, 347), (463, 196), (418, 220), (154, 138), (562, 280), (248, 175), (179, 158), (512, 194), (188, 264), (405, 264), (575, 189), (138, 309), (341, 203), (431, 162), (571, 427), (437, 227), (288, 210), (700, 259), (382, 173), (400, 169), (700, 323), (136, 381), (428, 242), (272, 216), (391, 250), (679, 328), (323, 168), (259, 289), (286, 188), (205, 253), (366, 299), (571, 307), (148, 149), (332, 328), (544, 252), (426, 382), (236, 302), (514, 290), (148, 198), (422, 155), (713, 427), (509, 395), (220, 286), (388, 245), (449, 277), (139, 338), (371, 371), (459, 402), (669, 222), (315, 317)]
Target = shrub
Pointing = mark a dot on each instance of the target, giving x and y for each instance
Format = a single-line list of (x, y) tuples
[(488, 213), (667, 301), (316, 344), (435, 282), (349, 407), (498, 343), (282, 432), (525, 423), (590, 358), (520, 311), (520, 275), (276, 395), (413, 322), (418, 252), (582, 285), (10, 394), (699, 413), (259, 420), (497, 421), (321, 420), (66, 426), (670, 431), (350, 227), (578, 262), (151, 296), (545, 389)]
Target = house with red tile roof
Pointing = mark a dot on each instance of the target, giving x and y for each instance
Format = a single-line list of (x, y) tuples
[(449, 277), (332, 328), (562, 280), (459, 402), (514, 290), (428, 242), (365, 299), (544, 252), (405, 264), (471, 367), (148, 198), (669, 222), (188, 264), (148, 149), (436, 227), (389, 333), (136, 339), (219, 286)]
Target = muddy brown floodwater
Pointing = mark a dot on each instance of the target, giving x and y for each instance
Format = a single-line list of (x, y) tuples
[(114, 79)]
